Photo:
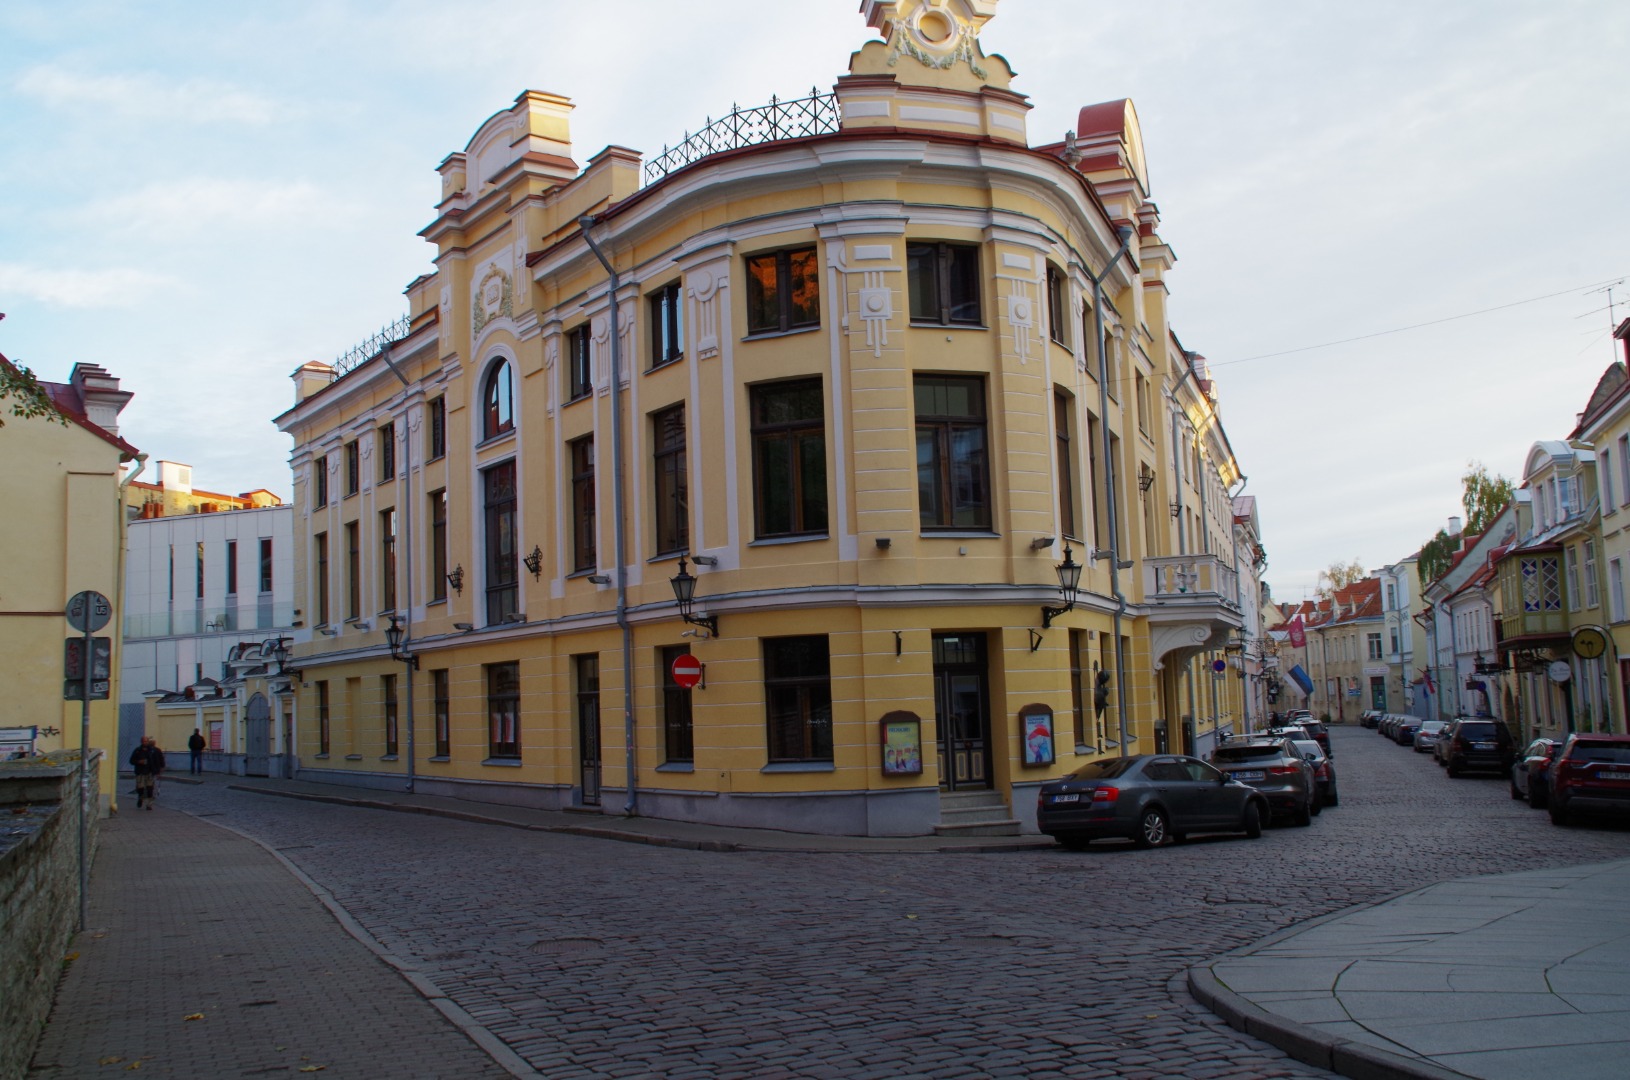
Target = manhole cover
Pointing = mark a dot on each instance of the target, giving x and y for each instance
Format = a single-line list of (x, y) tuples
[(562, 946)]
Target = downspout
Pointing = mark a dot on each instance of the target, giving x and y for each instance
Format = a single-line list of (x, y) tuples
[(407, 564), (631, 800), (1126, 235), (116, 662), (1233, 546)]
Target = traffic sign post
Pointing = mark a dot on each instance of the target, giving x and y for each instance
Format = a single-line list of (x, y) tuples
[(687, 671), (88, 611)]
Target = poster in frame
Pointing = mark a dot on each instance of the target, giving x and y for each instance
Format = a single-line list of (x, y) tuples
[(902, 734), (1036, 735)]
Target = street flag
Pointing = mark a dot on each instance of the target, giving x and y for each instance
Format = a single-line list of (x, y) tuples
[(1426, 676), (1301, 679), (1298, 636)]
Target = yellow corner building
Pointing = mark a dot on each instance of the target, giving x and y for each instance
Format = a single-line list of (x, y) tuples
[(860, 402)]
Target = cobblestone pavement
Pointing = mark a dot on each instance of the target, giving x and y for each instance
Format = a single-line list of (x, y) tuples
[(594, 958)]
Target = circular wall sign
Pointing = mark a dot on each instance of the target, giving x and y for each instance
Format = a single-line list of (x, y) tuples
[(1559, 671), (1589, 642), (687, 671)]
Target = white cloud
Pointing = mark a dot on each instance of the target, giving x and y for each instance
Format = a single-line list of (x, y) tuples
[(119, 287), (175, 209), (192, 100)]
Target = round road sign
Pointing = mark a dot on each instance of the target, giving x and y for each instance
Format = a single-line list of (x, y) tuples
[(88, 611), (687, 671)]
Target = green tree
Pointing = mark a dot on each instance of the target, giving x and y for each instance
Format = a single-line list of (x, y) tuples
[(1483, 496), (1436, 555), (21, 390), (1338, 575)]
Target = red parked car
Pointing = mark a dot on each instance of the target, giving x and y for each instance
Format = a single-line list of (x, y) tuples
[(1591, 775)]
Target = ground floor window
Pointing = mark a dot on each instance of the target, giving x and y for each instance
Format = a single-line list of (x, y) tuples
[(387, 686), (443, 707), (324, 732), (504, 710), (798, 696), (676, 714)]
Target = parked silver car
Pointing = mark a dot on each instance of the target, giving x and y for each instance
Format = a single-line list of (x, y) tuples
[(1428, 734)]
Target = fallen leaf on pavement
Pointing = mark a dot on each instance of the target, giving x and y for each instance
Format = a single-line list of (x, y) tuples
[(109, 1060), (313, 1068), (193, 1016), (911, 916)]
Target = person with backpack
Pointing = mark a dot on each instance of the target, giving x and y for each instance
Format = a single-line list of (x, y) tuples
[(147, 761)]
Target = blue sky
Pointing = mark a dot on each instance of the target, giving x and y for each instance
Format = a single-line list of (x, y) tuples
[(201, 197)]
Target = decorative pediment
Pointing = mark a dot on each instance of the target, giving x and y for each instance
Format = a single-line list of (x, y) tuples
[(494, 298)]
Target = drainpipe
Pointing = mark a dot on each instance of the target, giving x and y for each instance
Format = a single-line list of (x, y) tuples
[(631, 800), (407, 565), (1109, 476)]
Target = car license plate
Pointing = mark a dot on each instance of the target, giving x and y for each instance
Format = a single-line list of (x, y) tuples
[(1482, 746), (1254, 774), (1064, 798), (1613, 776)]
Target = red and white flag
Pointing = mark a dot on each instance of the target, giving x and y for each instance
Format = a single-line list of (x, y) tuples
[(1298, 636)]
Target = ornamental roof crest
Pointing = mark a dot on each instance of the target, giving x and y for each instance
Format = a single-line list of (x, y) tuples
[(938, 34)]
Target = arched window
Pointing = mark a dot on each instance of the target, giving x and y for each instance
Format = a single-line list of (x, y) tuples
[(500, 401)]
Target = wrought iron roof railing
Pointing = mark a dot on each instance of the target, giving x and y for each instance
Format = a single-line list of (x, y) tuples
[(372, 346), (817, 114)]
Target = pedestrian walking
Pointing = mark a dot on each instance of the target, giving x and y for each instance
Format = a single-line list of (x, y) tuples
[(147, 760), (195, 745)]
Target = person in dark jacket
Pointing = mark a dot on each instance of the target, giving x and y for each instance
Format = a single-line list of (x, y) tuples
[(195, 746), (147, 761)]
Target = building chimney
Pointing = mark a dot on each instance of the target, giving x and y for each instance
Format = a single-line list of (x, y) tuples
[(100, 394), (1454, 525), (310, 378)]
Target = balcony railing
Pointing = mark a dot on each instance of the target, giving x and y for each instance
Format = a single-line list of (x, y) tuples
[(1190, 579), (250, 618), (799, 118)]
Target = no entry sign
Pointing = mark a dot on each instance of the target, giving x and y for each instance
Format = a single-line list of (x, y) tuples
[(687, 671)]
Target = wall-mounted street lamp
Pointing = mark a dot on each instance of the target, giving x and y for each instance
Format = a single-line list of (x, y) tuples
[(534, 562), (684, 584), (1146, 478), (394, 633), (456, 579), (1069, 581), (276, 652)]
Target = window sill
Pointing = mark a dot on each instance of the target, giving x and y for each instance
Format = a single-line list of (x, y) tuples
[(383, 480), (923, 325), (581, 574), (390, 757), (494, 440), (765, 335), (433, 458), (801, 538), (961, 534), (319, 757), (353, 757), (351, 494), (799, 767), (503, 762), (665, 363), (677, 767), (441, 758), (584, 396), (437, 602)]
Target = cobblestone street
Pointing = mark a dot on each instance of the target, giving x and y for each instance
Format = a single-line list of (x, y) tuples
[(597, 958)]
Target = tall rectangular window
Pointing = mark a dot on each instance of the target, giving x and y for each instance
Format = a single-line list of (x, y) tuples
[(387, 453), (438, 544), (677, 740), (1573, 578), (231, 568), (1142, 390), (198, 563), (783, 291), (1624, 470), (1063, 426), (442, 704), (1592, 595), (1605, 484), (498, 489), (504, 710), (324, 731), (789, 458), (387, 691), (437, 410), (1393, 631), (1078, 685), (353, 570), (1373, 643), (319, 482), (579, 370), (943, 282), (584, 535), (353, 468), (320, 543), (387, 559), (1615, 590), (798, 698), (670, 485), (266, 564), (1058, 306), (953, 470), (1094, 480), (667, 325)]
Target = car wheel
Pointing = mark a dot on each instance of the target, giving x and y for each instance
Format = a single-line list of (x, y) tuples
[(1251, 823), (1559, 816), (1536, 795), (1332, 799), (1304, 814), (1515, 794), (1454, 770), (1315, 806), (1152, 828)]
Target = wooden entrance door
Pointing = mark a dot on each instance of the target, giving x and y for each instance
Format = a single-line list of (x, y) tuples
[(962, 711)]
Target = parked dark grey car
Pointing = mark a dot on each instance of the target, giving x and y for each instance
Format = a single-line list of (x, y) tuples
[(1275, 768), (1478, 742), (1151, 799)]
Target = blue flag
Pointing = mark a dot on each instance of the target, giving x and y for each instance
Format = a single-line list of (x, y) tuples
[(1301, 679)]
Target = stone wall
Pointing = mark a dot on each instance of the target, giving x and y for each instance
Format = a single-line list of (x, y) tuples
[(39, 892)]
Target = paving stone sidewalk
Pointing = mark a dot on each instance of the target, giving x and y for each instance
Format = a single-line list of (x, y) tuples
[(189, 920), (1506, 977)]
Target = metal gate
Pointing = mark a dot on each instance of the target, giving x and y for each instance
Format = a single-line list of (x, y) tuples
[(257, 737)]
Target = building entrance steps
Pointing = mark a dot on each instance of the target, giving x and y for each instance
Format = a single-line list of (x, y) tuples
[(975, 813)]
